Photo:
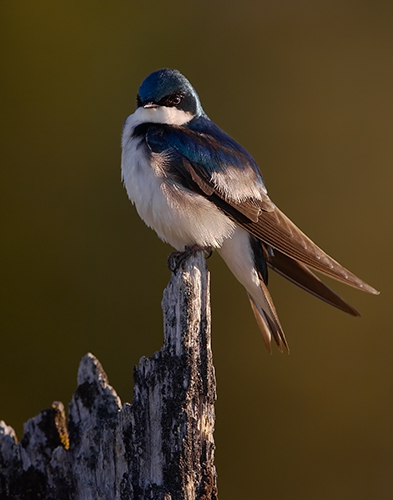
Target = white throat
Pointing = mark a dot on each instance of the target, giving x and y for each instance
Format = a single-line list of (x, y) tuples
[(161, 114)]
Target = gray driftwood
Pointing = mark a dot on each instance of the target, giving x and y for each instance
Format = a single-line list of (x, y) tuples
[(159, 447)]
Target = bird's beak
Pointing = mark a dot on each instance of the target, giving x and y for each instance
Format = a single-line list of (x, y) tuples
[(150, 105)]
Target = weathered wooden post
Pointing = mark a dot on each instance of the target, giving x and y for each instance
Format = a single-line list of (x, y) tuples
[(160, 447)]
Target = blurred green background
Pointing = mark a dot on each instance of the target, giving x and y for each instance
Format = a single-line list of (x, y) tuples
[(307, 87)]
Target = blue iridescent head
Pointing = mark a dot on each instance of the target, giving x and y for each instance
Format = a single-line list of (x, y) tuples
[(168, 87)]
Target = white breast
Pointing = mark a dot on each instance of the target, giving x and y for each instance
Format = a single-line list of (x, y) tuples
[(179, 216)]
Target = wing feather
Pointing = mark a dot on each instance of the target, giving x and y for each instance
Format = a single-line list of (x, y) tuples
[(300, 275), (278, 231), (203, 158)]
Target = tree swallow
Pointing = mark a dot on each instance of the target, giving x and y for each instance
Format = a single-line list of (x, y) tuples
[(200, 190)]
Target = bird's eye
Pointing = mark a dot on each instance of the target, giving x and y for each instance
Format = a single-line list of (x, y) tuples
[(173, 100), (176, 99), (138, 101)]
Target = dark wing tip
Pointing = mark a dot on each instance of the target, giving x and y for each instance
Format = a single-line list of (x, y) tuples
[(299, 274), (275, 229)]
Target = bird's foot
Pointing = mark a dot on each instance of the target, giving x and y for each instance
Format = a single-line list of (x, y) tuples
[(176, 259)]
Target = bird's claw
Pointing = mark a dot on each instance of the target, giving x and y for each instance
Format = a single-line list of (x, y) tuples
[(176, 259)]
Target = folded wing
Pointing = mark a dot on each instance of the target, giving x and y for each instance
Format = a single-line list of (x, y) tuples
[(201, 157)]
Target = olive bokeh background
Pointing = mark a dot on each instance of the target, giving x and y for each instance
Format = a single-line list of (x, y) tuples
[(307, 87)]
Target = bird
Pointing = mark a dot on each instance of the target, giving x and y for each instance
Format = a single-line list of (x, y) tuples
[(202, 191)]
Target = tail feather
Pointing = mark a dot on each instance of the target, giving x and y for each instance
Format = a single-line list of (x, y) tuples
[(267, 319), (248, 258), (247, 262), (262, 323)]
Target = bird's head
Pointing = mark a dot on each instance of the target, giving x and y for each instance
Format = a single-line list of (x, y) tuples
[(168, 88)]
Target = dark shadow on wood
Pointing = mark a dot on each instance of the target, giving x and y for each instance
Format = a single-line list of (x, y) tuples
[(160, 447)]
